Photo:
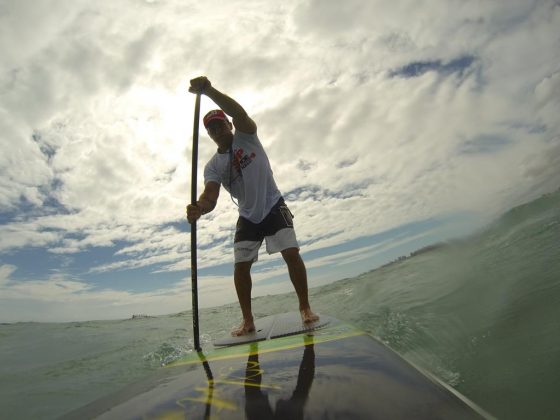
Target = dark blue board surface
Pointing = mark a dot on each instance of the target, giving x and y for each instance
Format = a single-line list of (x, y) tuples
[(334, 372)]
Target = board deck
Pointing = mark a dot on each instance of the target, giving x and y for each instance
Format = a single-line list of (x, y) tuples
[(275, 326), (336, 371)]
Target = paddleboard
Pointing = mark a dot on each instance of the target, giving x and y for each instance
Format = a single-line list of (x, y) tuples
[(275, 326), (333, 370)]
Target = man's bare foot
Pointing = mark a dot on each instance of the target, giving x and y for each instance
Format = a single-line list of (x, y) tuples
[(246, 327), (307, 316)]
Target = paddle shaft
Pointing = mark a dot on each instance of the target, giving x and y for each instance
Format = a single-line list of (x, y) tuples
[(194, 280)]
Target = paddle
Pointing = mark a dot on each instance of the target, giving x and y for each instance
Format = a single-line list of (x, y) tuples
[(193, 224)]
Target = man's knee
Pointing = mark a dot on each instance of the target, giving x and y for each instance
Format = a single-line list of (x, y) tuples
[(291, 255), (243, 268)]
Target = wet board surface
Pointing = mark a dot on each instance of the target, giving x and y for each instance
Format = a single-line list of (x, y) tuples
[(275, 326), (336, 371)]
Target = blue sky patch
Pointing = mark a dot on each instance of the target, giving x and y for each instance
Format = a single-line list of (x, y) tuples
[(485, 144), (418, 68)]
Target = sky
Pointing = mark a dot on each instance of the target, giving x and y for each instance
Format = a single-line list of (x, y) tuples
[(389, 126)]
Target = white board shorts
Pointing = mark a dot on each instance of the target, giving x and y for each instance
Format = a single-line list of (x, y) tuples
[(277, 229)]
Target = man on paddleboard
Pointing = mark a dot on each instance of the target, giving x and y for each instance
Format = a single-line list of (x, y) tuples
[(242, 167)]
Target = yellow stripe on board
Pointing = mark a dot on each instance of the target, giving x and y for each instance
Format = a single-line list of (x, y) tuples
[(277, 344)]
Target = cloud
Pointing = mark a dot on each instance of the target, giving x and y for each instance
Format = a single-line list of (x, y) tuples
[(5, 271), (61, 298), (374, 114)]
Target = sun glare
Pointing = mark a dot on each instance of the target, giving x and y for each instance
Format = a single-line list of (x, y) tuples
[(161, 119)]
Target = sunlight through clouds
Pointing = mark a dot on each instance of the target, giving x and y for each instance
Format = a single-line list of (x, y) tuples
[(374, 115)]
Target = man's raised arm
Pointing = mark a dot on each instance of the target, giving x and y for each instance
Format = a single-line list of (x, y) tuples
[(230, 106)]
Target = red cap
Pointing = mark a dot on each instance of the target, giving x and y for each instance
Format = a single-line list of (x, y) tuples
[(216, 114)]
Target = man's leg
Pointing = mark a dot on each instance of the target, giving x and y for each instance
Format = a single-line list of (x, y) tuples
[(246, 246), (298, 276), (243, 285)]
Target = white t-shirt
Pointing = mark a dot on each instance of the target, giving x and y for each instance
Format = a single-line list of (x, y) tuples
[(245, 172)]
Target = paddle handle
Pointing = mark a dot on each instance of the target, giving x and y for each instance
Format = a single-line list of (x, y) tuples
[(194, 279)]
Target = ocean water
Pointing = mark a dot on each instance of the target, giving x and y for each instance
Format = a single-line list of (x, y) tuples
[(483, 314)]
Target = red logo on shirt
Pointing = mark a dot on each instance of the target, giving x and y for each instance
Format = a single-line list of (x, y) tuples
[(241, 160)]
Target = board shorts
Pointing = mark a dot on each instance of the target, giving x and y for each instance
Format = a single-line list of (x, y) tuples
[(277, 229)]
